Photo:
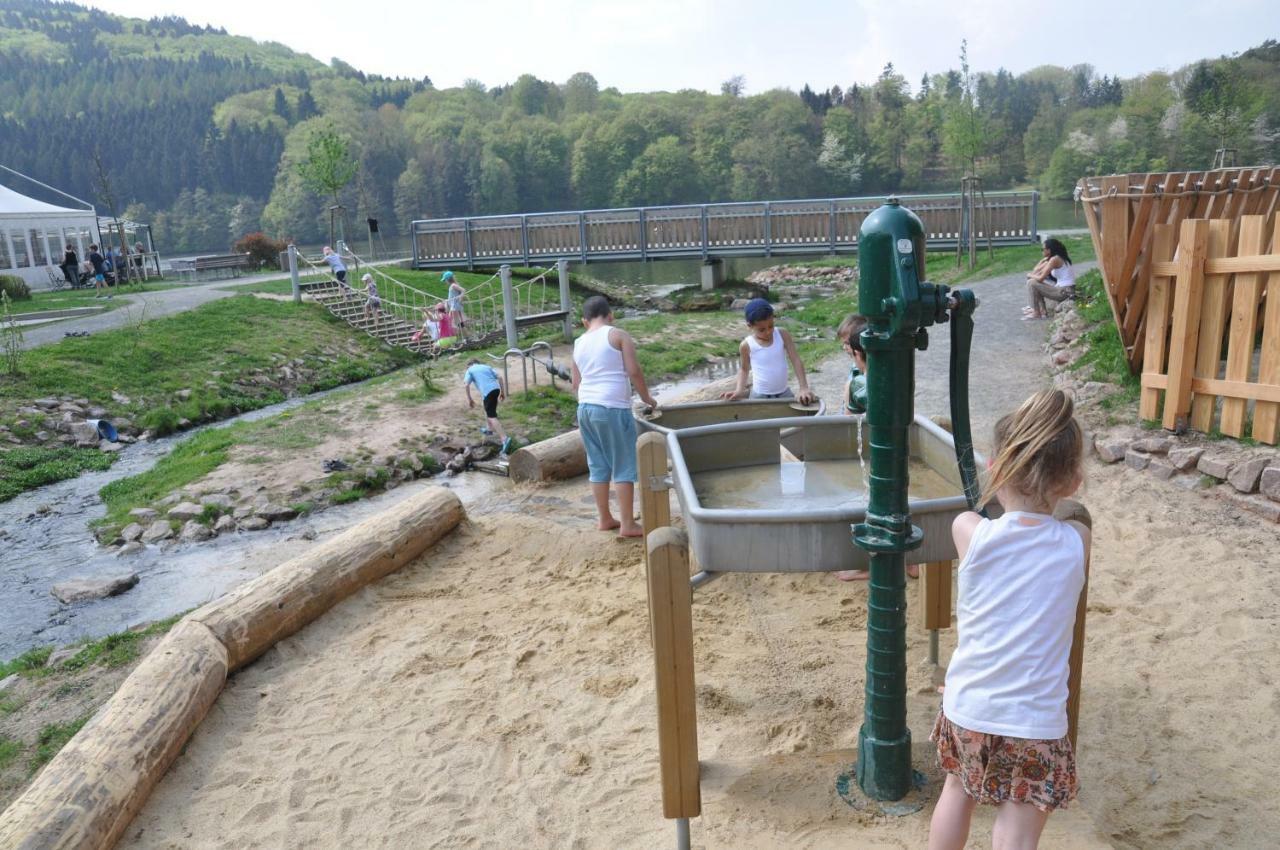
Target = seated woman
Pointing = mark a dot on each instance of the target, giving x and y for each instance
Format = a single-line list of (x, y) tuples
[(1051, 280)]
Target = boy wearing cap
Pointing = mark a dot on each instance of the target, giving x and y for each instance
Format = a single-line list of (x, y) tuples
[(763, 357), (454, 299)]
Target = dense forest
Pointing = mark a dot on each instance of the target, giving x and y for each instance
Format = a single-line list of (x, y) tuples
[(206, 135)]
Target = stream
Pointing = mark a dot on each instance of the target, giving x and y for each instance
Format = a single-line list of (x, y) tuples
[(45, 539)]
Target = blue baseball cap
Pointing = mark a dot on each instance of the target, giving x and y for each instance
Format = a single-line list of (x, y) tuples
[(447, 276), (757, 310)]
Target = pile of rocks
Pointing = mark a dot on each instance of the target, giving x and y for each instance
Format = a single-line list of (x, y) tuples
[(1248, 478), (64, 421), (833, 277)]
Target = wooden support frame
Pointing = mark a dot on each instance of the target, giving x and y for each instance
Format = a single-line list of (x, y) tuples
[(935, 595), (1213, 322), (1193, 246)]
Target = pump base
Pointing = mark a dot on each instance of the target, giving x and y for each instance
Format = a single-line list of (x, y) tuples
[(884, 767)]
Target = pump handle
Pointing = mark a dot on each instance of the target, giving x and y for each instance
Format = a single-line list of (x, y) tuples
[(962, 304)]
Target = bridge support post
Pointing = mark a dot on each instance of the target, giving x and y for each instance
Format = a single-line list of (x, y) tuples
[(712, 274), (293, 274), (566, 303), (508, 305)]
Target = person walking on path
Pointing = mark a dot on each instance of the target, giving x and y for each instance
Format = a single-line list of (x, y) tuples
[(492, 390), (99, 264), (604, 358), (1052, 279), (71, 266), (1002, 733)]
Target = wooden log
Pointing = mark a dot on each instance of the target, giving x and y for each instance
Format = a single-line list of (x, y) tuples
[(1244, 323), (1185, 333), (560, 457), (671, 620), (88, 794), (251, 618), (935, 595)]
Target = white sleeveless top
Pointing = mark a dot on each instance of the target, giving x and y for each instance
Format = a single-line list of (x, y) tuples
[(1017, 590), (1064, 276), (604, 377), (768, 365)]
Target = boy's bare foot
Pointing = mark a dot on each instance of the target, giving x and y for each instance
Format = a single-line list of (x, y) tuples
[(608, 524), (853, 575), (913, 570), (631, 531)]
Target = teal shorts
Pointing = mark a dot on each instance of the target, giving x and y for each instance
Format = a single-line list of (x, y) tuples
[(609, 434)]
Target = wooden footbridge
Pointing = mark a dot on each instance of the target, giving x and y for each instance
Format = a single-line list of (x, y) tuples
[(710, 231)]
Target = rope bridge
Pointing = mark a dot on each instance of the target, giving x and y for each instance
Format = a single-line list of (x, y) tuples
[(490, 309)]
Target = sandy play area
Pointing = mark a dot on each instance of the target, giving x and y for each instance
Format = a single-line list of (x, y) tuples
[(497, 693)]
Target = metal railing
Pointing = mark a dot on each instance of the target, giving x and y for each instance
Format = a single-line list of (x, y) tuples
[(706, 231)]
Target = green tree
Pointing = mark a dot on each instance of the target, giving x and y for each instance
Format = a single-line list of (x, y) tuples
[(1221, 96), (581, 93), (328, 166), (966, 129), (663, 174)]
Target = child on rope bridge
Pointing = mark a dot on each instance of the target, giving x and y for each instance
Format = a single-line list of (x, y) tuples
[(1002, 733), (373, 303), (339, 270), (455, 295)]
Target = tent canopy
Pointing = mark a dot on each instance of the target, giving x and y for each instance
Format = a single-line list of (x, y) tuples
[(15, 204), (32, 234)]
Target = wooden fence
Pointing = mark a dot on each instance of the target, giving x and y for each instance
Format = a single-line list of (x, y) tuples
[(1210, 281), (1124, 211)]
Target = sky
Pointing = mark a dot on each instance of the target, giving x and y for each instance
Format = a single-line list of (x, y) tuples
[(652, 45)]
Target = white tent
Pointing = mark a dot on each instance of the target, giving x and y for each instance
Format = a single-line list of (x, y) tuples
[(33, 234)]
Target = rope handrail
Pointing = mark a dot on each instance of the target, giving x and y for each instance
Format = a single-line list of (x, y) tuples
[(1158, 190)]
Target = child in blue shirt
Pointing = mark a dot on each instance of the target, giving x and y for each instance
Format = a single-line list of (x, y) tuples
[(492, 390)]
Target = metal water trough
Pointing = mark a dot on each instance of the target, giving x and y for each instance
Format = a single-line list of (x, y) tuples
[(813, 540), (696, 414)]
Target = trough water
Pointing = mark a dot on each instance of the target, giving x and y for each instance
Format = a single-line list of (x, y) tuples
[(44, 540), (805, 485)]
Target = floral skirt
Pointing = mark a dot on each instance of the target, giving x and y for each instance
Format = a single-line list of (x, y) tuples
[(994, 769)]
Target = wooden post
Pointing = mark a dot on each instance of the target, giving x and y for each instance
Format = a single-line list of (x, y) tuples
[(671, 620), (935, 595), (1266, 414), (1213, 321), (655, 504), (1192, 246), (1075, 664), (1157, 329), (1244, 322), (1115, 236)]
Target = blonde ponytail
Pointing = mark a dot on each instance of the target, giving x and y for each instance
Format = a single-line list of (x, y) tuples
[(1039, 448)]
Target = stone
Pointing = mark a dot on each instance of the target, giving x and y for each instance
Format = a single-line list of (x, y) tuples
[(194, 532), (1136, 459), (121, 398), (184, 423), (97, 413), (1244, 475), (183, 395), (108, 446), (1260, 505), (59, 655), (85, 589), (130, 549), (170, 500), (157, 531), (1184, 459), (1161, 469), (47, 403), (224, 524), (254, 523), (275, 513), (8, 682), (1215, 465), (1154, 445), (1193, 482), (86, 435), (217, 500), (185, 511), (243, 512), (1065, 356), (1111, 451), (1269, 484), (132, 531), (143, 514)]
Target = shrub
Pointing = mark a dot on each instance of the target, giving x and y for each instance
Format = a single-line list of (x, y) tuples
[(160, 421), (15, 287), (262, 249)]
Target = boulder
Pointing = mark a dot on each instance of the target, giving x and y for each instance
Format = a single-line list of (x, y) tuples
[(60, 655), (1184, 459), (254, 523), (8, 682), (130, 549), (1215, 465), (1111, 451), (1244, 475), (108, 446), (218, 500), (243, 512), (157, 531), (47, 403), (1161, 469), (1259, 505), (1136, 459), (86, 435), (1154, 445), (183, 395), (275, 513), (194, 532), (84, 589), (224, 524), (131, 532), (143, 514), (185, 511), (1269, 484)]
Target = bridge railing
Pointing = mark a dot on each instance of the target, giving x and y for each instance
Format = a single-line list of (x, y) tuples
[(707, 231)]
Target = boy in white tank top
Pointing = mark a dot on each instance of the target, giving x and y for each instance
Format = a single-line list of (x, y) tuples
[(763, 357)]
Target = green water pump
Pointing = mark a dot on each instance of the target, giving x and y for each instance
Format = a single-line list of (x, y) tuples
[(899, 308)]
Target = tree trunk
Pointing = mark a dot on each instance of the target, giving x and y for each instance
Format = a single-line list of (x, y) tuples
[(554, 459)]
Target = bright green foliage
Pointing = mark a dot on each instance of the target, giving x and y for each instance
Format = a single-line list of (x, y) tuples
[(328, 166), (28, 467)]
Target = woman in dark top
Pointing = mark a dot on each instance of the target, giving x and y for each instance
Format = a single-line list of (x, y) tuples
[(71, 266)]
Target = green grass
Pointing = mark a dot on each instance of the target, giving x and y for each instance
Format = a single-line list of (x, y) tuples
[(27, 467), (940, 266), (191, 460), (233, 337), (668, 345), (118, 649), (26, 663), (1104, 359), (53, 738), (9, 751), (538, 415)]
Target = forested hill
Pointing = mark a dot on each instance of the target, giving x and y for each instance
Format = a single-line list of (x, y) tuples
[(202, 132)]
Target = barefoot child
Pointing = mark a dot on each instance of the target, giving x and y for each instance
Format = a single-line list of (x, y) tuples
[(763, 357), (1002, 732), (603, 359), (492, 390)]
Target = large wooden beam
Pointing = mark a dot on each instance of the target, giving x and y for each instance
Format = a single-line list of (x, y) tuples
[(560, 457), (1213, 323), (1192, 246), (85, 798), (1157, 324), (1244, 323)]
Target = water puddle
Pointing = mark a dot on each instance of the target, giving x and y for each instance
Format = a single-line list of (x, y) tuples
[(46, 541), (698, 377)]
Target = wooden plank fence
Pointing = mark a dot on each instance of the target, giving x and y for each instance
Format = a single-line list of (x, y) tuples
[(1124, 212), (1217, 283)]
